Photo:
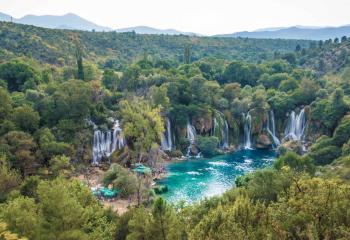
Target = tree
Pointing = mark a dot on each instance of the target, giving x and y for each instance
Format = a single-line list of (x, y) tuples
[(159, 96), (242, 73), (62, 205), (122, 179), (290, 58), (49, 147), (329, 111), (18, 75), (23, 217), (6, 104), (187, 54), (71, 101), (6, 234), (342, 132), (232, 91), (312, 208), (80, 66), (288, 85), (9, 179), (142, 125), (297, 163), (274, 80), (25, 118), (91, 72), (163, 224), (208, 145), (130, 79), (21, 149), (60, 165), (343, 39), (138, 225), (110, 79)]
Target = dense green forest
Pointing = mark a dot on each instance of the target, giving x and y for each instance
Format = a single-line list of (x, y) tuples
[(59, 88), (115, 50)]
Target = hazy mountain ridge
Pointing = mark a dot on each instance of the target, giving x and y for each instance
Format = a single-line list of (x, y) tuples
[(4, 17), (74, 22), (67, 21), (151, 30), (296, 32)]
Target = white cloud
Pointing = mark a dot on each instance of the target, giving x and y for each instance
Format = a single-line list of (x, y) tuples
[(202, 16)]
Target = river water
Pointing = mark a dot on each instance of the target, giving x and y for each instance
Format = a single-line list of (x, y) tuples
[(194, 179)]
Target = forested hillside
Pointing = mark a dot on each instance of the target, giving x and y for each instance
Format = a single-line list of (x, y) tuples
[(117, 106), (58, 46)]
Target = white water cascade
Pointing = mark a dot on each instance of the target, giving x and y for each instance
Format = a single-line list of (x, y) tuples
[(296, 126), (247, 131), (224, 132), (105, 143), (220, 129), (166, 141), (191, 136), (271, 128)]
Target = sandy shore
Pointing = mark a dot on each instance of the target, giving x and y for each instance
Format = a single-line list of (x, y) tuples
[(120, 206)]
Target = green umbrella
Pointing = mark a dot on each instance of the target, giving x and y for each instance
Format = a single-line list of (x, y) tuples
[(142, 169)]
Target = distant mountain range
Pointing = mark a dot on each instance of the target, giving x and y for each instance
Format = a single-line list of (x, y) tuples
[(296, 32), (67, 21), (72, 21), (150, 30)]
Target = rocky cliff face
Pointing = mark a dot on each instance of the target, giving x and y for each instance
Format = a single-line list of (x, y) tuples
[(203, 124), (262, 126), (263, 141)]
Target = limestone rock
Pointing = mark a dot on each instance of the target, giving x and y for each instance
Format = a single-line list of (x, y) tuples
[(263, 141), (294, 146)]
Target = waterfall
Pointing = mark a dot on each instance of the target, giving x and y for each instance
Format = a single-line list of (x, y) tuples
[(247, 131), (166, 141), (220, 129), (224, 140), (296, 126), (191, 133), (191, 136), (105, 143), (271, 128)]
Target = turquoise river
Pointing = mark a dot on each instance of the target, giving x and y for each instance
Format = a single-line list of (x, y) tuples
[(194, 179)]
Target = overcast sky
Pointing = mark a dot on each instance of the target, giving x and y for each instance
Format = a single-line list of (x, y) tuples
[(200, 16)]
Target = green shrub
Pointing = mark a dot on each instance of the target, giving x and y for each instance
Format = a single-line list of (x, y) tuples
[(208, 145), (342, 132), (325, 155), (122, 179)]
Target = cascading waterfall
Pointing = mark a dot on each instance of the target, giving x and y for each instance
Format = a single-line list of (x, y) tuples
[(296, 126), (191, 136), (166, 142), (220, 129), (224, 141), (105, 143), (271, 128), (247, 131)]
